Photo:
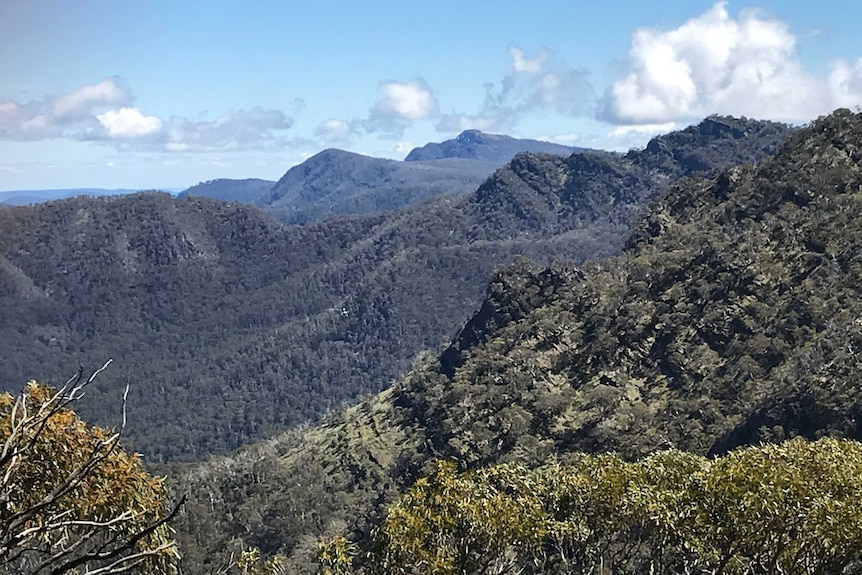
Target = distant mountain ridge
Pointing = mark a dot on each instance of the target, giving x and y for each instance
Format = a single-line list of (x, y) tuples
[(250, 190), (27, 197), (335, 182), (338, 182), (492, 148)]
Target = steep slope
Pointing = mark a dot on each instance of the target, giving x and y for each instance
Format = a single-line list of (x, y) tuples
[(250, 191), (731, 318), (261, 326), (492, 148)]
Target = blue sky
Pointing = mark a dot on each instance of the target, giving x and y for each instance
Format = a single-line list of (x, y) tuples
[(163, 94)]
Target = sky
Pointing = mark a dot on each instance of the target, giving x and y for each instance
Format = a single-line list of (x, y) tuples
[(165, 94)]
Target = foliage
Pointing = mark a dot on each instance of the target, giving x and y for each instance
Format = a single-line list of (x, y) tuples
[(790, 508), (71, 499)]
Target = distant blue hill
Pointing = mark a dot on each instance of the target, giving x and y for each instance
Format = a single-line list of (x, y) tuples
[(250, 191), (28, 197), (496, 149)]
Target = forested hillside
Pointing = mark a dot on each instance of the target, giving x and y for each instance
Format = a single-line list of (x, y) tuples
[(232, 326), (732, 318), (337, 182), (250, 191)]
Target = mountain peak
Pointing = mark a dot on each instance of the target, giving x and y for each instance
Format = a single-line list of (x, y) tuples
[(468, 136), (491, 148)]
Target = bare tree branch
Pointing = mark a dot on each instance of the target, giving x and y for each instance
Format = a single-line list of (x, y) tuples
[(58, 513)]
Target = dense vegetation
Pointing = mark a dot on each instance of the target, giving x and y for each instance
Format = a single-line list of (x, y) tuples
[(231, 326), (730, 319), (790, 508)]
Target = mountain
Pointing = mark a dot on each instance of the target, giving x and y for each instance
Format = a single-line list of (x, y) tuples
[(730, 319), (338, 182), (491, 148), (233, 326), (27, 197), (250, 191)]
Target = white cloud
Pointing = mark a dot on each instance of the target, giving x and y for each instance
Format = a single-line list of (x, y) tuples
[(337, 128), (99, 113), (845, 83), (234, 130), (485, 121), (625, 138), (564, 139), (401, 103), (716, 63), (128, 123), (70, 116), (337, 132), (522, 64), (543, 82), (642, 130), (83, 100), (408, 101)]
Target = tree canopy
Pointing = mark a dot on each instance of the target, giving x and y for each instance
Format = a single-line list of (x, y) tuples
[(71, 499), (790, 508)]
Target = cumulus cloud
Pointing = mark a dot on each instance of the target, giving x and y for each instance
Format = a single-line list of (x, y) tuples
[(102, 113), (334, 131), (400, 104), (408, 101), (522, 64), (543, 82), (83, 100), (845, 83), (716, 63), (234, 130), (128, 123), (75, 115)]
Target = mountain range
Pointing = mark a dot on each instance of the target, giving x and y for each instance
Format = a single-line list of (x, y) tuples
[(336, 182), (731, 318), (262, 326)]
